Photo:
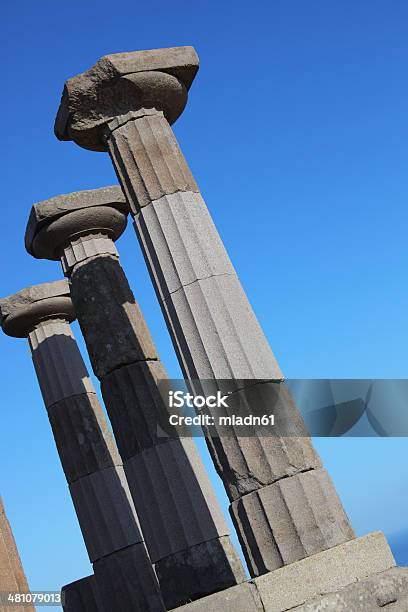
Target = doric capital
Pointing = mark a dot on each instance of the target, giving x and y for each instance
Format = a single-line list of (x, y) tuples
[(120, 83), (53, 224), (22, 312)]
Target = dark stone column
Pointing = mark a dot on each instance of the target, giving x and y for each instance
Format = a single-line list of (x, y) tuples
[(88, 454), (182, 523)]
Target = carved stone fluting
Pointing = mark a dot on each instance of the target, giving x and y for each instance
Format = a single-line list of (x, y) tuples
[(62, 378), (304, 516), (86, 247), (89, 457), (213, 328), (12, 576), (176, 506), (149, 139), (217, 337)]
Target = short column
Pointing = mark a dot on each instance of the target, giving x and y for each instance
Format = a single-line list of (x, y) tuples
[(88, 454)]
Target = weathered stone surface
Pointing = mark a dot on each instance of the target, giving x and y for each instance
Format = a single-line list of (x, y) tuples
[(127, 583), (81, 596), (54, 237), (31, 295), (105, 512), (12, 577), (132, 395), (240, 598), (84, 248), (60, 369), (124, 82), (180, 241), (148, 147), (385, 591), (114, 329), (217, 333), (43, 213), (21, 312), (82, 435), (174, 498), (219, 568), (248, 458), (325, 572), (289, 520)]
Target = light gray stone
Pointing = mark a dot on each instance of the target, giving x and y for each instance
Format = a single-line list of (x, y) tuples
[(127, 583), (105, 512), (174, 498), (114, 329), (325, 572), (81, 596), (180, 241), (180, 582), (291, 519), (82, 435), (120, 83), (387, 590), (60, 369), (251, 457), (241, 598), (158, 167), (217, 333), (43, 213)]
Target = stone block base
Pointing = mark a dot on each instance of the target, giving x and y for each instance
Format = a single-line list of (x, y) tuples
[(385, 591), (240, 598), (338, 572)]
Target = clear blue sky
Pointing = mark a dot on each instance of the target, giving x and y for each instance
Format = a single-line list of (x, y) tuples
[(297, 133)]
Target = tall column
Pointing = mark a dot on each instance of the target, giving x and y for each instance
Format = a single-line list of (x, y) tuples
[(88, 454), (284, 505), (183, 526), (12, 576)]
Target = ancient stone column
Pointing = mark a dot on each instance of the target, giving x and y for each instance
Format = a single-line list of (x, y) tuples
[(89, 457), (284, 505), (183, 526), (12, 576)]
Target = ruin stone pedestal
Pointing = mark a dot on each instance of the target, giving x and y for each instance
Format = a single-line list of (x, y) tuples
[(183, 526), (125, 105), (357, 575), (123, 571)]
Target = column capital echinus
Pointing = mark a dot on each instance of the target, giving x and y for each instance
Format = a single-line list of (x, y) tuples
[(122, 84), (22, 312), (77, 225)]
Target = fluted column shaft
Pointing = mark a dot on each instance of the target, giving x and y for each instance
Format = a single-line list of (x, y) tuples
[(94, 472), (217, 336), (12, 576), (183, 526)]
